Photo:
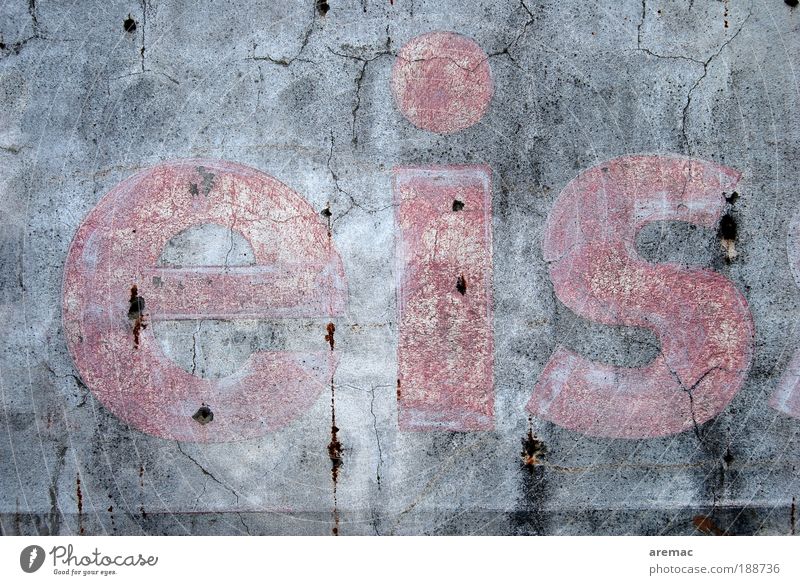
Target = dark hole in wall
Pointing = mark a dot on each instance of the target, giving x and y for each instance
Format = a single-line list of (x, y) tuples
[(203, 415), (461, 285), (791, 3), (129, 25), (727, 228), (323, 7), (458, 205)]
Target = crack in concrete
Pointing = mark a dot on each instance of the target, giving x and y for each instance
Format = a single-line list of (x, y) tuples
[(705, 64), (142, 72), (16, 48), (442, 469), (360, 78), (144, 26), (377, 437), (507, 49), (353, 203), (689, 392), (283, 61), (246, 527), (194, 346), (207, 474), (55, 509)]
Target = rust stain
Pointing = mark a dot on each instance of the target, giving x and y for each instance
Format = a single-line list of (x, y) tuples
[(331, 328), (335, 454), (136, 314), (533, 450), (706, 525)]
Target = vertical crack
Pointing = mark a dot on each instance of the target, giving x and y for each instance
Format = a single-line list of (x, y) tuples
[(641, 24), (377, 438), (144, 26), (706, 64), (34, 17)]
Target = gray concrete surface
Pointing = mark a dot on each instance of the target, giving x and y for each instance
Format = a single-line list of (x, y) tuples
[(304, 95)]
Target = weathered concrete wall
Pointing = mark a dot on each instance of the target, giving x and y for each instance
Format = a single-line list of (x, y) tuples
[(313, 95)]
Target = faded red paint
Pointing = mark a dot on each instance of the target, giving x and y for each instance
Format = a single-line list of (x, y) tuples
[(786, 397), (296, 274), (701, 320), (442, 82), (446, 346)]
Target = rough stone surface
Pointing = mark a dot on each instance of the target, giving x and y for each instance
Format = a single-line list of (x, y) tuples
[(305, 95)]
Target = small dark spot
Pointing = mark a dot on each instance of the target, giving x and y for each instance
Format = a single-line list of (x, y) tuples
[(129, 25), (326, 212), (208, 180), (728, 457), (732, 198), (458, 205), (323, 7), (461, 285), (193, 189), (399, 393), (791, 3), (727, 228), (203, 415)]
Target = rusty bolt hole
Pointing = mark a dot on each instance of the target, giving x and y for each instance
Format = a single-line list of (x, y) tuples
[(129, 25), (203, 415), (458, 205), (136, 307)]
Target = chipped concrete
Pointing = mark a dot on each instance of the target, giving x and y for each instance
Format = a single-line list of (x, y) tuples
[(95, 93)]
